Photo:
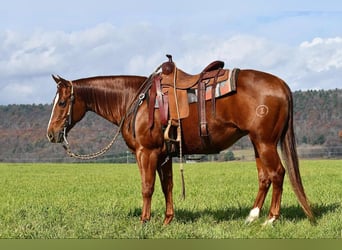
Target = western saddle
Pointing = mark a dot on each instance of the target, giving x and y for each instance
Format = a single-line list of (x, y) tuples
[(170, 90)]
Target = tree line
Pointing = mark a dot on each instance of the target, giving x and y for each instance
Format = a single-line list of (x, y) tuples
[(317, 122)]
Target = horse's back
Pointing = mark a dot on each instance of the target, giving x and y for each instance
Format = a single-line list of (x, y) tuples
[(257, 81)]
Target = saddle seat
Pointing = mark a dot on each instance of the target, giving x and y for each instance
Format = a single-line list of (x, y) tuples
[(171, 74), (186, 81)]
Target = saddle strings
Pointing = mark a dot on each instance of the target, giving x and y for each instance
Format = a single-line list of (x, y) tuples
[(179, 133)]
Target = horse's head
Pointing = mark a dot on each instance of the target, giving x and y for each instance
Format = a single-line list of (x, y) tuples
[(67, 110)]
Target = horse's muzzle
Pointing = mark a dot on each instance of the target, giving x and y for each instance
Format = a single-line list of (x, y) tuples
[(55, 137)]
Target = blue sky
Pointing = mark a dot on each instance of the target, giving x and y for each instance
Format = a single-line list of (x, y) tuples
[(299, 41)]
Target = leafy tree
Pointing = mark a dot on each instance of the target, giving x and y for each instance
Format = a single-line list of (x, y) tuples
[(229, 156)]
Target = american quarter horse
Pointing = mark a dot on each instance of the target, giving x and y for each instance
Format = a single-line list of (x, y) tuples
[(262, 108)]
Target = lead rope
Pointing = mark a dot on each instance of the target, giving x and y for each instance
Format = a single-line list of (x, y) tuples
[(179, 136), (92, 155)]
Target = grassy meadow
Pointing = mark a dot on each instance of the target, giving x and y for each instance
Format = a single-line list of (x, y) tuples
[(44, 201)]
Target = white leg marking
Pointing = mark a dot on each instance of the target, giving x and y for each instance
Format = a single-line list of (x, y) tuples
[(269, 222), (253, 215)]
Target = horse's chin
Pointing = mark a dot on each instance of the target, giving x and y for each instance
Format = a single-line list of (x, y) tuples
[(62, 137)]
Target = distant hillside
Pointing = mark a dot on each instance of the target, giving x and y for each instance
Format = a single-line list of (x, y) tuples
[(318, 120), (23, 135), (318, 116)]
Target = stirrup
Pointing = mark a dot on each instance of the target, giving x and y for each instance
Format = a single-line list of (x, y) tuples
[(167, 131)]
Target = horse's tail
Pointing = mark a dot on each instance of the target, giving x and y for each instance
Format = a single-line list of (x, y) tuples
[(289, 151)]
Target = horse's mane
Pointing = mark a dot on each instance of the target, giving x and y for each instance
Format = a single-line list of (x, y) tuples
[(107, 94)]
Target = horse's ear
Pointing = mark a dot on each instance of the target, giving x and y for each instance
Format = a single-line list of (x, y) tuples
[(61, 81), (56, 78)]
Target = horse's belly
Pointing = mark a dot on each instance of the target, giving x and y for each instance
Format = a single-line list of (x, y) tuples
[(215, 142)]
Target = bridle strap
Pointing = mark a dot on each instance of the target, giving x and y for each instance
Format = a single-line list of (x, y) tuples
[(72, 99), (68, 120)]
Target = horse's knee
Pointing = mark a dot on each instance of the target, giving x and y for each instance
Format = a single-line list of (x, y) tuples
[(264, 181), (147, 192)]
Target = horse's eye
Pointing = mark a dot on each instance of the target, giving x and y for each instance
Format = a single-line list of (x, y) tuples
[(62, 104)]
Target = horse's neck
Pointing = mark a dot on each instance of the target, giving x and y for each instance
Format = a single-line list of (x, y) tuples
[(107, 99), (108, 112), (111, 107)]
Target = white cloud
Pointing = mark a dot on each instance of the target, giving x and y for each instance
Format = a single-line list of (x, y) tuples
[(323, 54), (28, 60), (312, 64)]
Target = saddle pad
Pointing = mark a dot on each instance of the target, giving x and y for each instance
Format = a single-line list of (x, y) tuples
[(222, 88)]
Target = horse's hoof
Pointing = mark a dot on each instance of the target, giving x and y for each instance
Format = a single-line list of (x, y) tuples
[(144, 221), (269, 221), (167, 220)]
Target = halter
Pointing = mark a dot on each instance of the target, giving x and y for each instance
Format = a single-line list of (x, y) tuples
[(68, 120)]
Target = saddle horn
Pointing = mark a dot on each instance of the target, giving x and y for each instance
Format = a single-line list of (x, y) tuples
[(169, 56), (168, 67)]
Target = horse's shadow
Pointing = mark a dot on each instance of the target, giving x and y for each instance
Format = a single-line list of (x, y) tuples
[(291, 213)]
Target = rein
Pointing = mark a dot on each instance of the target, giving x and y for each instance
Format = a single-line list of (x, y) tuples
[(138, 100), (92, 155)]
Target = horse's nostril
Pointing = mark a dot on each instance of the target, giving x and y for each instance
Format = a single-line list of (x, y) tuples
[(50, 136)]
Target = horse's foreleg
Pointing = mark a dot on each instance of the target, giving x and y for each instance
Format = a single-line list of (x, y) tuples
[(147, 162), (166, 180)]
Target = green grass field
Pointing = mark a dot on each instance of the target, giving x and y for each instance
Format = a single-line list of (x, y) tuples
[(44, 201)]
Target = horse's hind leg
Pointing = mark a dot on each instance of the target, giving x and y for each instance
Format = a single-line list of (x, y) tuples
[(166, 180), (264, 185), (270, 170)]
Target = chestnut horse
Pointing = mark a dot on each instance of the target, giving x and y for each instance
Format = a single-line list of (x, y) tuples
[(262, 108)]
